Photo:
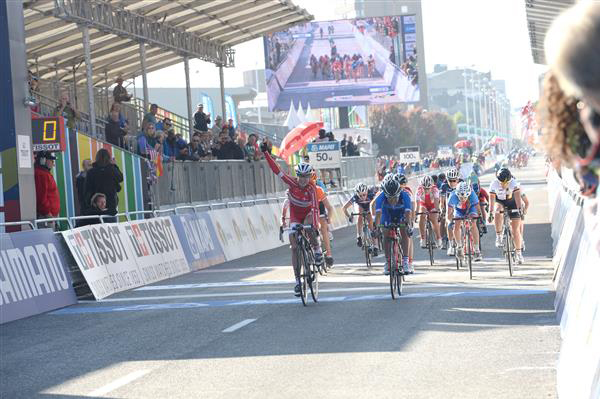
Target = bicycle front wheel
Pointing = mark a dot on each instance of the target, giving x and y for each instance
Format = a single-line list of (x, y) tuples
[(394, 273), (314, 283), (301, 258), (509, 246), (469, 254), (430, 241)]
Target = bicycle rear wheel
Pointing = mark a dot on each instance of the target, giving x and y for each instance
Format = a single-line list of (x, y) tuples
[(509, 245), (314, 283)]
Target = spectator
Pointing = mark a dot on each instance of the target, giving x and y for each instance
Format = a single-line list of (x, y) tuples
[(113, 132), (231, 128), (120, 93), (251, 148), (97, 207), (147, 139), (322, 136), (206, 145), (201, 120), (195, 151), (171, 147), (217, 126), (227, 148), (65, 110), (46, 191), (344, 145), (351, 149), (151, 116), (123, 122), (165, 125), (106, 178), (86, 165)]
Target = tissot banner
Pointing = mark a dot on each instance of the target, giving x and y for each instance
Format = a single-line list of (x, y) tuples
[(34, 277)]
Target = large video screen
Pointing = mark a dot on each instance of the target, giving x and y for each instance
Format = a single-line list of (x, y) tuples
[(343, 63)]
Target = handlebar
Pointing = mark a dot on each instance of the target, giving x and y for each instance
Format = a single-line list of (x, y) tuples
[(427, 213), (360, 214)]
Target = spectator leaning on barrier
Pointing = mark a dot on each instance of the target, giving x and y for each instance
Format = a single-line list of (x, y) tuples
[(106, 178), (147, 139), (217, 126), (201, 120), (65, 110), (227, 148), (97, 206), (120, 93), (46, 191), (86, 165), (251, 148)]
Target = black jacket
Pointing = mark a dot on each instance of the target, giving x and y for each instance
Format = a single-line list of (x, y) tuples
[(229, 150), (105, 180), (113, 133), (80, 185), (201, 121)]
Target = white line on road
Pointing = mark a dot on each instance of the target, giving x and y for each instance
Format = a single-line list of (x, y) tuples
[(239, 325), (118, 383)]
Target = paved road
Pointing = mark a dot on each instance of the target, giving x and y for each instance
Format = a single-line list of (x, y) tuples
[(447, 337)]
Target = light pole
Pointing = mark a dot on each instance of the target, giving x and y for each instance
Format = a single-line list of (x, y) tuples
[(479, 99), (466, 101), (472, 80)]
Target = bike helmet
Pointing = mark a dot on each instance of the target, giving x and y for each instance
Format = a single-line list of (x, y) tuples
[(426, 181), (503, 175), (361, 188), (391, 188), (463, 190), (401, 179), (303, 170), (452, 174)]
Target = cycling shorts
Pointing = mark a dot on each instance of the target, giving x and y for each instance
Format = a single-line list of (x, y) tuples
[(463, 213), (427, 205), (511, 204), (299, 214)]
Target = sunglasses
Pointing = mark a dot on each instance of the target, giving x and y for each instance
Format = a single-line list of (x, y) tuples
[(452, 180)]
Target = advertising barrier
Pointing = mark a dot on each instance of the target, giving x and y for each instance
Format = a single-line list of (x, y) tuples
[(33, 275), (199, 240), (120, 256)]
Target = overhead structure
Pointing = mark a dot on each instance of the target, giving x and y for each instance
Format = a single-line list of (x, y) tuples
[(170, 29), (540, 14)]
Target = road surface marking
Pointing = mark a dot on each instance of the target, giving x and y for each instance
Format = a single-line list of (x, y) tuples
[(118, 383), (239, 325), (251, 302)]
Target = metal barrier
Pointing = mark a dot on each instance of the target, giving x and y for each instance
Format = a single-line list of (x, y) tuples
[(236, 180)]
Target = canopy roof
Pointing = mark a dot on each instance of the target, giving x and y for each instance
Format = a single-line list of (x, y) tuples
[(171, 29), (540, 14)]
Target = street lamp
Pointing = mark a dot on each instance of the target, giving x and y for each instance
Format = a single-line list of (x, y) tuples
[(465, 75)]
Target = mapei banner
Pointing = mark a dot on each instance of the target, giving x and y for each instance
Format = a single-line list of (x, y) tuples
[(33, 275), (121, 256)]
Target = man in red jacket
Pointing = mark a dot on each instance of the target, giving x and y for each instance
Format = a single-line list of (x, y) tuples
[(46, 191)]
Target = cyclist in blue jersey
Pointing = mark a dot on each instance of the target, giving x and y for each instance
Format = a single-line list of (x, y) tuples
[(393, 207), (452, 180), (363, 195), (464, 203)]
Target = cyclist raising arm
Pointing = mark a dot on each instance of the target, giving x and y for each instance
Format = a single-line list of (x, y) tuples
[(505, 190), (304, 208), (391, 208)]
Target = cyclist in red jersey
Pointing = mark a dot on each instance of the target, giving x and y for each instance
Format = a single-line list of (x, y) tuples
[(428, 198), (304, 208)]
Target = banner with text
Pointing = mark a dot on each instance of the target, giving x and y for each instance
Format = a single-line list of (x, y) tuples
[(34, 277), (199, 240)]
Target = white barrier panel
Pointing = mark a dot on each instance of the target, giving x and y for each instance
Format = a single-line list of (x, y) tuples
[(121, 256)]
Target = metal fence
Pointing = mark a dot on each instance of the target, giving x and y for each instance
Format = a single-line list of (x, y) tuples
[(209, 181)]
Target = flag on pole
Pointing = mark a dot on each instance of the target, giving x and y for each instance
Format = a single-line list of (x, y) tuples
[(156, 158)]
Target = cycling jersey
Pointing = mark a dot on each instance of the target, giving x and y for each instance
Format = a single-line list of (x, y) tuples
[(446, 190), (462, 209), (363, 204), (393, 213), (303, 200), (483, 195), (504, 193), (426, 199)]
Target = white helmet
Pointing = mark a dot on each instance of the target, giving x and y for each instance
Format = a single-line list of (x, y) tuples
[(303, 169), (463, 190), (361, 188), (391, 188), (452, 174), (426, 181)]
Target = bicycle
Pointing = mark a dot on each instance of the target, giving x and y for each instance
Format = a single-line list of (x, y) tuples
[(306, 267), (429, 235), (367, 238), (467, 239), (508, 247), (395, 263)]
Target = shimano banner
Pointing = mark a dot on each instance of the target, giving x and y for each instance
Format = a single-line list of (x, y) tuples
[(33, 275), (198, 240)]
